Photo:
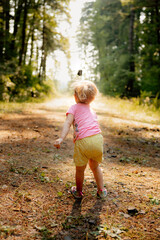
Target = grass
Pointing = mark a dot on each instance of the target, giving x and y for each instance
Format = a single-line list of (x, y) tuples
[(19, 107), (129, 109), (14, 107), (123, 108)]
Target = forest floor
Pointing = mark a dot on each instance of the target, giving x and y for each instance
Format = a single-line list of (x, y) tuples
[(35, 178)]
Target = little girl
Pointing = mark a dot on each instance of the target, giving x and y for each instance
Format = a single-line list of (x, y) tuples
[(87, 137)]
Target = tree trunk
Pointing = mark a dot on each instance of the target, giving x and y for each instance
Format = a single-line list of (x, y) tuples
[(24, 25), (131, 79), (2, 32), (158, 23), (26, 43), (42, 71), (16, 22), (37, 57), (158, 33), (32, 40), (7, 19), (1, 88), (32, 45)]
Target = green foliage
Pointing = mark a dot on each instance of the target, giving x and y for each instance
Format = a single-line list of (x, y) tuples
[(24, 85), (126, 40), (46, 234), (29, 33), (147, 99), (134, 109)]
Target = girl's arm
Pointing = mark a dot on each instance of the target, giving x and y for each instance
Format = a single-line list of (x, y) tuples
[(65, 130)]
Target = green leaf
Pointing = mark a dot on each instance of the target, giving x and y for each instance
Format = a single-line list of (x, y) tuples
[(59, 194)]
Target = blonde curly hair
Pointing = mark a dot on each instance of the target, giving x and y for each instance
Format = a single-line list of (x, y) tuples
[(85, 91)]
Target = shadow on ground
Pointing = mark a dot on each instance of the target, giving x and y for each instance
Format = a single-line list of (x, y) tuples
[(36, 178)]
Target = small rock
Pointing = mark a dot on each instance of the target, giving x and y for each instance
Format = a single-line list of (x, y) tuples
[(14, 184), (46, 179), (28, 198), (4, 187), (38, 228), (132, 211), (121, 213), (54, 225), (92, 222), (113, 156), (16, 209), (126, 215), (142, 212), (36, 130)]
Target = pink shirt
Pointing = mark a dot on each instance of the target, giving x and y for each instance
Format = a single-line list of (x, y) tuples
[(85, 121)]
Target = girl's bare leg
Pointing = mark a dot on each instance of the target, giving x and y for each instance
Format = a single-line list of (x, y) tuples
[(80, 177), (94, 166)]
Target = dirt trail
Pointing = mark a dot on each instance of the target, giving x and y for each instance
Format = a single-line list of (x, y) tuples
[(35, 178)]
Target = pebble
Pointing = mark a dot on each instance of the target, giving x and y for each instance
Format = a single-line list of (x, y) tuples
[(132, 211), (92, 222), (4, 187)]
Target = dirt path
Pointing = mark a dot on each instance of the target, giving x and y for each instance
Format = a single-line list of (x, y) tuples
[(35, 178)]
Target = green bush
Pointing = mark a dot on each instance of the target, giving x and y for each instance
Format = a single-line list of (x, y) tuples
[(147, 99), (23, 85)]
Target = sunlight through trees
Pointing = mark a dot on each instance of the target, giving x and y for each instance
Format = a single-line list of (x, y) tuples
[(29, 33), (125, 36)]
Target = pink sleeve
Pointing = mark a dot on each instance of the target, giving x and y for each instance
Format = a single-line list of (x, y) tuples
[(71, 110)]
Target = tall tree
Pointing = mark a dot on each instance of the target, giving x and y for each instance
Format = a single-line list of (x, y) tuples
[(24, 26), (17, 16), (131, 79), (7, 34), (125, 34)]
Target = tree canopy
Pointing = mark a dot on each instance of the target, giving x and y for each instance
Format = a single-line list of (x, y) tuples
[(122, 38), (125, 35), (29, 33)]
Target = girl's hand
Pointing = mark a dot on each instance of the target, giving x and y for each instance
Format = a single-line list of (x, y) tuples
[(58, 142), (65, 130)]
